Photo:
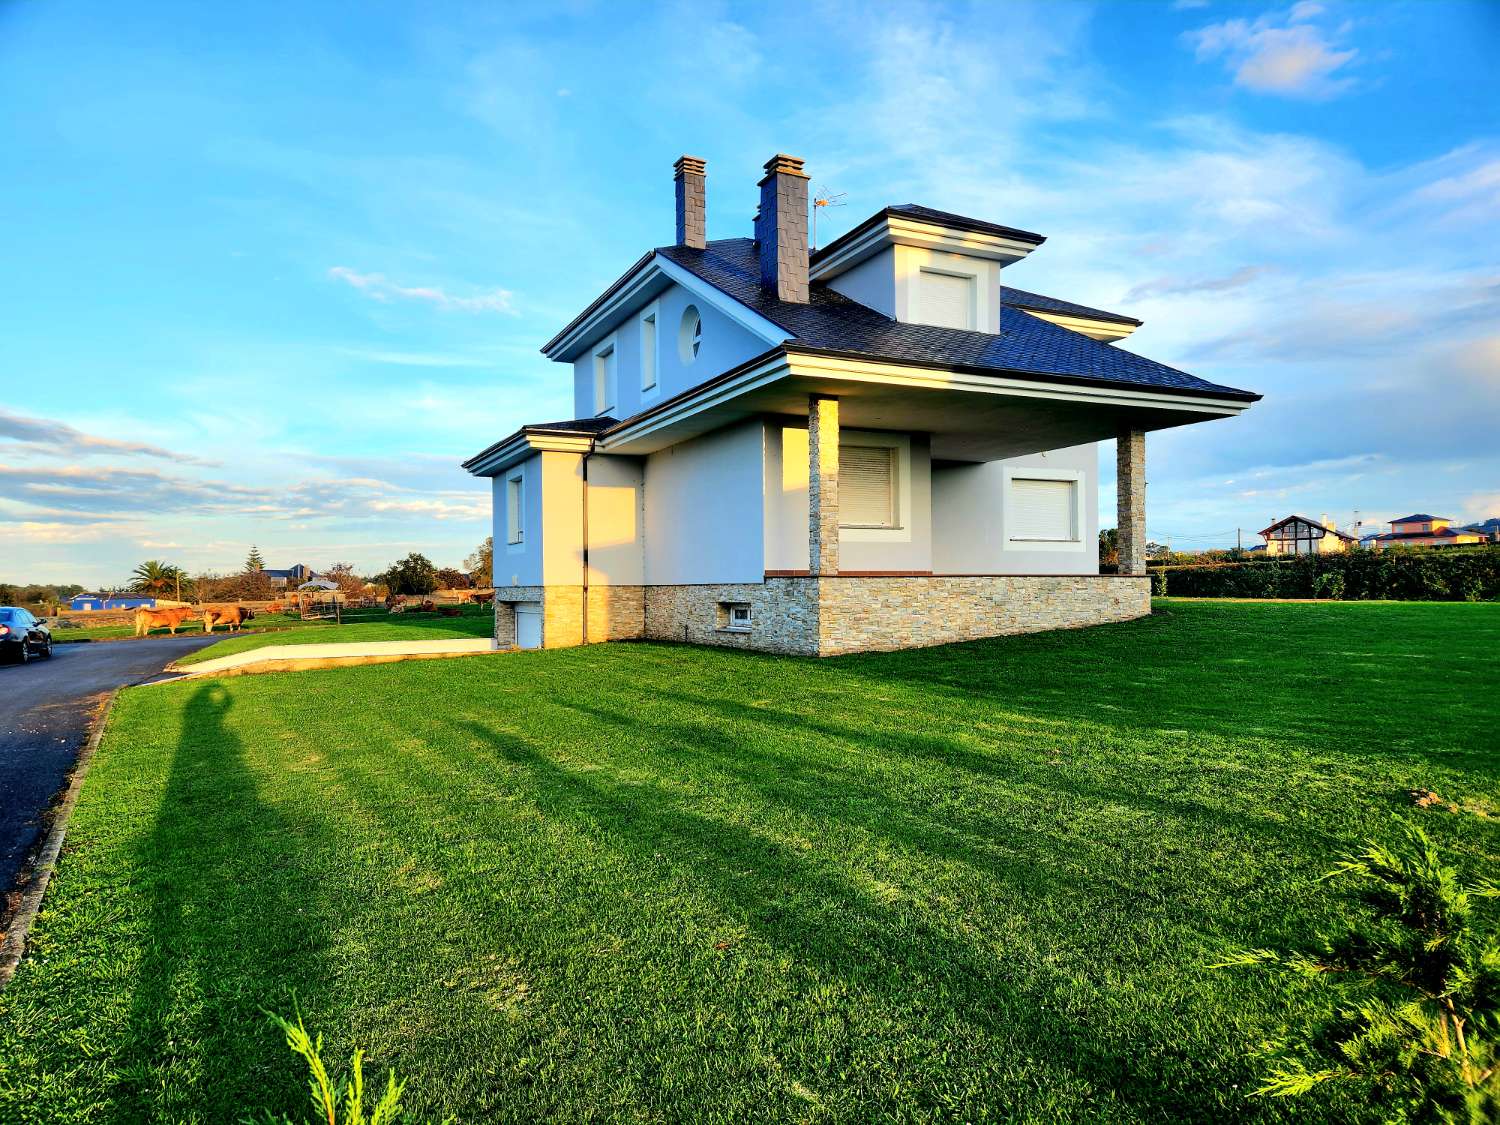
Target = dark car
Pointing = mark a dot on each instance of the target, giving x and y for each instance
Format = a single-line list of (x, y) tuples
[(22, 636)]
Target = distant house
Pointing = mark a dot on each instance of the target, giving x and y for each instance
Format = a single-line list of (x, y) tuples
[(1422, 530), (291, 576), (1490, 529), (111, 601), (1298, 535)]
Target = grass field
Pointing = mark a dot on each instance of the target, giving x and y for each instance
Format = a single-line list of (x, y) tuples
[(369, 625), (663, 883), (63, 634)]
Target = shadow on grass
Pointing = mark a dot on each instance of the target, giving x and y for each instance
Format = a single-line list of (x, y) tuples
[(801, 905), (233, 927)]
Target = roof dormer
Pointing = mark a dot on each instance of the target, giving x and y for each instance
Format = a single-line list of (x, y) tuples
[(921, 266)]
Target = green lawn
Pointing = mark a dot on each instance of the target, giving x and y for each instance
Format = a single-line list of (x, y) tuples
[(369, 625), (673, 884)]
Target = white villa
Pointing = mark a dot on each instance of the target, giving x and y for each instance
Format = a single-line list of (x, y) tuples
[(877, 446)]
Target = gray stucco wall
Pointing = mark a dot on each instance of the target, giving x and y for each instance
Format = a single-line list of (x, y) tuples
[(518, 564), (724, 344), (704, 519), (969, 525)]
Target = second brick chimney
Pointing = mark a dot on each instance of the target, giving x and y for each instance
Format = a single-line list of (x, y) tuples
[(781, 228), (692, 227)]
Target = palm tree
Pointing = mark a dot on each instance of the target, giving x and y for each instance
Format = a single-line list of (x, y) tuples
[(157, 577)]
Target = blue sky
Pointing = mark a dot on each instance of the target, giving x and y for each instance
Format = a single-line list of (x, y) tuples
[(270, 273)]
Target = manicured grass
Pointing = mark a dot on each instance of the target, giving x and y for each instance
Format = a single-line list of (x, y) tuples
[(674, 884), (368, 625)]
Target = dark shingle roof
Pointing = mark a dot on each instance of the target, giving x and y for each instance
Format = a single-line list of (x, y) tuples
[(1025, 300), (574, 425), (1026, 345), (1420, 517)]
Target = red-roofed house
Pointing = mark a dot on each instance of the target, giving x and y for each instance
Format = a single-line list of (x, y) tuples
[(1422, 530)]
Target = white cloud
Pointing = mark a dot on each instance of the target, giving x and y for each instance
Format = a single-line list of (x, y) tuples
[(381, 288), (50, 436), (1285, 53)]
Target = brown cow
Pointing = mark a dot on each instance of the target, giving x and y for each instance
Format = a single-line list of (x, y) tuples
[(232, 615), (148, 619)]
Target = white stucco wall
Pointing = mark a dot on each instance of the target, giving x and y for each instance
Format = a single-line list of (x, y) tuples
[(908, 547), (724, 344), (704, 517), (872, 283), (969, 520)]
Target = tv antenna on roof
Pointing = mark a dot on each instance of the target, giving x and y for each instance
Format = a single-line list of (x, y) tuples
[(822, 197)]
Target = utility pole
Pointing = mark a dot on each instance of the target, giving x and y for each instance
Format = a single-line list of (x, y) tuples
[(1239, 539)]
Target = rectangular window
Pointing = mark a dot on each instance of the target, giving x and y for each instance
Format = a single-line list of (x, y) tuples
[(734, 616), (604, 379), (1043, 509), (945, 299), (648, 351), (515, 515), (867, 486)]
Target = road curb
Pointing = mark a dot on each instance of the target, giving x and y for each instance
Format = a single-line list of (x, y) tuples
[(14, 946)]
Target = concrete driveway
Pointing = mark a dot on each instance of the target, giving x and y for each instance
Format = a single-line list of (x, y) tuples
[(45, 708)]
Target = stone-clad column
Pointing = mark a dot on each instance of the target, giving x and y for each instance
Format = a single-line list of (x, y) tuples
[(1130, 490), (822, 485)]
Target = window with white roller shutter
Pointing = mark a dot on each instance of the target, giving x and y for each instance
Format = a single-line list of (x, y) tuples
[(1043, 509), (945, 299), (867, 486)]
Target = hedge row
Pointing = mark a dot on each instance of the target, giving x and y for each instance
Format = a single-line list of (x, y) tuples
[(1400, 575)]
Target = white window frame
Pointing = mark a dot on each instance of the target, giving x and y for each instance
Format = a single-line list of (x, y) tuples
[(901, 503), (893, 462), (650, 353), (730, 624), (1029, 472), (685, 338), (515, 514), (972, 277), (606, 377)]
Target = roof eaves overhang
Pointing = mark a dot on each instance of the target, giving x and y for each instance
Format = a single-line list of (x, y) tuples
[(523, 444), (890, 228), (650, 273), (1079, 387), (743, 391)]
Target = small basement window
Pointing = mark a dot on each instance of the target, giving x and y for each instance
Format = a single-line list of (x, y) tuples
[(734, 617)]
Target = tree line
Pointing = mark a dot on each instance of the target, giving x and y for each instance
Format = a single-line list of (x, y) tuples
[(159, 578)]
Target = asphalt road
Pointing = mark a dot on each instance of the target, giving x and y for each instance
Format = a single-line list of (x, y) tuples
[(45, 708)]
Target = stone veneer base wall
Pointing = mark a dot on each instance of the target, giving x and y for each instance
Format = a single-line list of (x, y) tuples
[(828, 616)]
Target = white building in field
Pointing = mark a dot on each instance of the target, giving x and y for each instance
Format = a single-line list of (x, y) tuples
[(877, 446)]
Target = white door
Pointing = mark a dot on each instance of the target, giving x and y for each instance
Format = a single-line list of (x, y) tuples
[(528, 624)]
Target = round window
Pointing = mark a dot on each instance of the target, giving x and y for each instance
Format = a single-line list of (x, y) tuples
[(690, 334)]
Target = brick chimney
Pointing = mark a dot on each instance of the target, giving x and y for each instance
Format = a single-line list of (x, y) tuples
[(691, 226), (781, 228)]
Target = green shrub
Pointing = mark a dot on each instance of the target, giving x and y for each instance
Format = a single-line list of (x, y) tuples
[(330, 1099), (1452, 574), (1417, 1030), (1329, 584)]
